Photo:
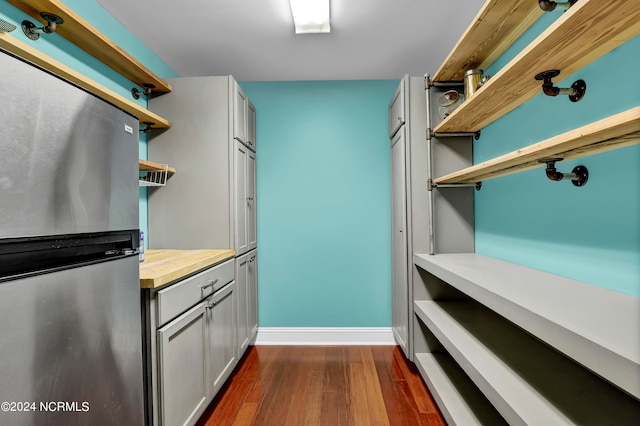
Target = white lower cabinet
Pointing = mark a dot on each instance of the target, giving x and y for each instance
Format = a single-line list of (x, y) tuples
[(252, 295), (221, 325), (242, 281), (191, 329), (182, 354), (247, 282)]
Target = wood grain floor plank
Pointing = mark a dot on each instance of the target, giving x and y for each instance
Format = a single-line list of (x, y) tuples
[(300, 385), (374, 393), (335, 395), (249, 366), (275, 398), (401, 370), (335, 378), (408, 401), (246, 414), (227, 404), (401, 412), (421, 395), (396, 365), (419, 392), (360, 408), (334, 386), (313, 404), (266, 357)]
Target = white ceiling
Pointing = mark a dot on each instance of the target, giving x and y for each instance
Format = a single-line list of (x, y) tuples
[(254, 40)]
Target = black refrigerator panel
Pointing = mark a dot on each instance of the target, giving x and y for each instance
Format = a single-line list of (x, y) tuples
[(67, 158), (71, 351)]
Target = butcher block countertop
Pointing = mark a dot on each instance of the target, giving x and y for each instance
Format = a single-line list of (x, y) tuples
[(164, 266)]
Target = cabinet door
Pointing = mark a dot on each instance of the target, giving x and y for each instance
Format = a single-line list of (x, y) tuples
[(252, 295), (240, 114), (251, 125), (400, 284), (251, 217), (221, 324), (242, 200), (396, 109), (182, 366), (242, 282)]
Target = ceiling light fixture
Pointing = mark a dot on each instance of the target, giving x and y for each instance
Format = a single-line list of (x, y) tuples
[(311, 16)]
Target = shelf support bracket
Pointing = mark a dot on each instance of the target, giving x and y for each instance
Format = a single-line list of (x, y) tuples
[(147, 90), (30, 30), (549, 5), (578, 176), (575, 92), (432, 134), (147, 128), (477, 185)]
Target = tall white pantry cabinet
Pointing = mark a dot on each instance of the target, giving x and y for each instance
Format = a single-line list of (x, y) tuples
[(453, 212), (210, 203)]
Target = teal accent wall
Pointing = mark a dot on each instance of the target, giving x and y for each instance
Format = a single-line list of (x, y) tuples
[(64, 51), (592, 233), (323, 203)]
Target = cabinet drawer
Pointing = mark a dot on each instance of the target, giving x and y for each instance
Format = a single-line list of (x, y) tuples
[(180, 296)]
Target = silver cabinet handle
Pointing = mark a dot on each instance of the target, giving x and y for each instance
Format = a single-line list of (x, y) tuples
[(211, 284), (205, 286), (252, 259)]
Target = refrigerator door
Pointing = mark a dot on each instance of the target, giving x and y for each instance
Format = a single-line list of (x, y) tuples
[(71, 351), (68, 160)]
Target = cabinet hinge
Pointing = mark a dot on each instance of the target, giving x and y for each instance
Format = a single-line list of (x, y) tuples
[(430, 185)]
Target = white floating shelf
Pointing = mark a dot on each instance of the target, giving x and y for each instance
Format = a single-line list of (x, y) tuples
[(528, 382), (459, 400), (597, 327)]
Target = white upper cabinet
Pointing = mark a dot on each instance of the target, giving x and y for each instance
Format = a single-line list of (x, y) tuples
[(396, 110), (251, 125), (240, 104)]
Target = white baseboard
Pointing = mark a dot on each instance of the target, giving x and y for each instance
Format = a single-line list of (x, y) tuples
[(325, 336)]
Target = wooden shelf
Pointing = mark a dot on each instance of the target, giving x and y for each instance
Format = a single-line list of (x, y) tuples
[(498, 24), (613, 132), (23, 50), (527, 381), (459, 400), (85, 36), (599, 328), (584, 33), (150, 166)]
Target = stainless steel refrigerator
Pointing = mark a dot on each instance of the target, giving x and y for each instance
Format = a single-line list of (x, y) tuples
[(70, 313)]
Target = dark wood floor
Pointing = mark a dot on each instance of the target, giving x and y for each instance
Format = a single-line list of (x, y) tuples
[(318, 385)]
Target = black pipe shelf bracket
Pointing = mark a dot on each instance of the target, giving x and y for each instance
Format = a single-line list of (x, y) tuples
[(549, 5), (31, 31), (578, 176), (575, 92), (147, 128), (148, 87)]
